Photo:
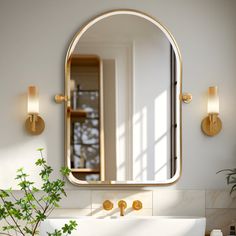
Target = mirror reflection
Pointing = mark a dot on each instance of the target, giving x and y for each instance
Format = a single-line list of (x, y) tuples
[(122, 116), (85, 116)]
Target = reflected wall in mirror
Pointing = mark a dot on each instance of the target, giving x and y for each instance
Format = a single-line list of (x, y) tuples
[(123, 115)]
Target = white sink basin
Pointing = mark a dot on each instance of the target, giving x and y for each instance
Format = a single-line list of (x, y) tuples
[(130, 226)]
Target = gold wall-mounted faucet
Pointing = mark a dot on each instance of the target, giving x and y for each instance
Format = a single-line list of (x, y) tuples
[(122, 205)]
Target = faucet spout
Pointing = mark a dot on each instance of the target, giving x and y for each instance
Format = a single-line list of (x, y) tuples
[(122, 205)]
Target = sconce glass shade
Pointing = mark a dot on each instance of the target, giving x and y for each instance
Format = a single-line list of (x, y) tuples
[(33, 101), (213, 100), (34, 124), (212, 125)]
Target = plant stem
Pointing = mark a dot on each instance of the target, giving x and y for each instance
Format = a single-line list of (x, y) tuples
[(10, 225), (35, 198), (36, 226), (13, 196), (26, 192), (12, 217), (50, 211), (2, 233)]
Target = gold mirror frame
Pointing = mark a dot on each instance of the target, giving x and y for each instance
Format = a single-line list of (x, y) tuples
[(72, 46)]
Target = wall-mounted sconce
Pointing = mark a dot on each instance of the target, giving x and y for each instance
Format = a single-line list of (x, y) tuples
[(211, 125), (34, 124)]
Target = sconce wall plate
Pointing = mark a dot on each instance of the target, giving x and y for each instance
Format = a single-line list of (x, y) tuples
[(211, 125), (34, 127)]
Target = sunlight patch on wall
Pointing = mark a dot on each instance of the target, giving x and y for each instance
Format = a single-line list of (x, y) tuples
[(161, 115), (160, 166), (161, 156), (121, 162), (140, 145)]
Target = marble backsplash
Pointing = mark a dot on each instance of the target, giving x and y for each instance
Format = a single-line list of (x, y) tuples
[(216, 205)]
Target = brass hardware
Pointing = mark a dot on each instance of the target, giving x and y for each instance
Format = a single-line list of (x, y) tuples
[(107, 205), (187, 98), (122, 205), (59, 98), (211, 125), (34, 125), (137, 205)]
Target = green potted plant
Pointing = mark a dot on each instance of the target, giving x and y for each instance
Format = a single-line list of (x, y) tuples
[(230, 178), (22, 215)]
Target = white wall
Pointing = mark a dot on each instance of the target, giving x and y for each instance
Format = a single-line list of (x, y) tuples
[(34, 40)]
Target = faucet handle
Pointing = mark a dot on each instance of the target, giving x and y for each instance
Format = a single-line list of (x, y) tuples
[(137, 205), (107, 205), (122, 204)]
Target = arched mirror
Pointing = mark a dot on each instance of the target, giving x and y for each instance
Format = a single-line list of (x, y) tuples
[(123, 109)]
